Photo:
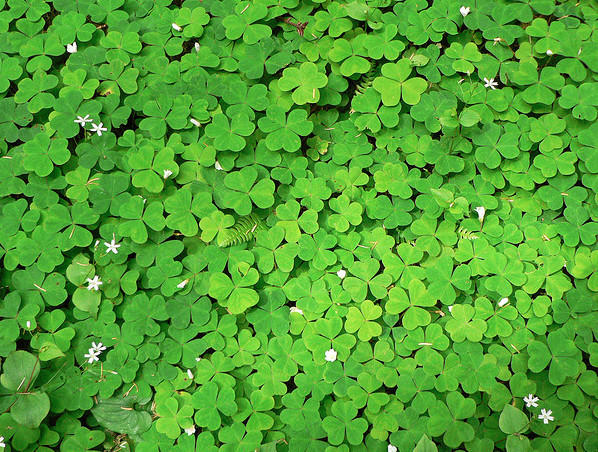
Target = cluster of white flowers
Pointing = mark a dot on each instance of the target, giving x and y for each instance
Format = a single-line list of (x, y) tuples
[(96, 128), (94, 352), (545, 415), (2, 445)]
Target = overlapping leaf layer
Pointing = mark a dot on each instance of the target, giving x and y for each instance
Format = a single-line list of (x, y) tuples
[(320, 225)]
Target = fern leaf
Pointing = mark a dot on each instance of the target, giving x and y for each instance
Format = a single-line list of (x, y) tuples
[(367, 79), (244, 230), (466, 234)]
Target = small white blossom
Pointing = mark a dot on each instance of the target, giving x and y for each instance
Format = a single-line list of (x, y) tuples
[(182, 284), (176, 27), (490, 83), (197, 46), (195, 122), (94, 283), (96, 244), (546, 416), (2, 445), (112, 246), (218, 166), (167, 173), (190, 431), (530, 400), (91, 356), (83, 120), (549, 52), (481, 212), (97, 348), (98, 128), (464, 10), (198, 359), (331, 355), (392, 448), (297, 310), (341, 273), (503, 302), (190, 374), (71, 48), (28, 324), (450, 308)]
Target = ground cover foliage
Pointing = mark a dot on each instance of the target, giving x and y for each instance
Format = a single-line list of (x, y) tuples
[(298, 225)]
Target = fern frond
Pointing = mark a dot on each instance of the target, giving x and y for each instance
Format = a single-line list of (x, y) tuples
[(466, 234), (244, 230), (367, 79)]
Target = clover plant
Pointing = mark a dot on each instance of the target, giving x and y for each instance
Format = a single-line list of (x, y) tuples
[(320, 225)]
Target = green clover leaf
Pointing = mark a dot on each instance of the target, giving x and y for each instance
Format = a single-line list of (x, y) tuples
[(394, 84)]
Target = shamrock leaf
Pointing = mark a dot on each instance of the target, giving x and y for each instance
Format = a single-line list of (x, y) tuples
[(229, 135), (342, 423), (42, 153), (362, 320), (394, 84), (242, 190), (305, 81), (412, 305), (461, 326), (284, 131)]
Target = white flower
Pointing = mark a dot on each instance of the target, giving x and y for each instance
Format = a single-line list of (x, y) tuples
[(546, 416), (96, 244), (190, 431), (176, 27), (464, 10), (98, 128), (392, 448), (450, 308), (297, 310), (530, 400), (2, 445), (331, 355), (91, 356), (94, 283), (195, 122), (490, 83), (503, 302), (28, 324), (197, 46), (167, 173), (182, 284), (341, 273), (112, 246), (190, 374), (549, 52), (481, 212), (198, 359), (71, 48), (83, 120), (218, 166), (97, 348)]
